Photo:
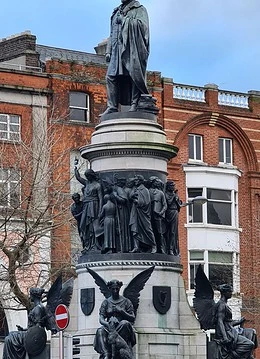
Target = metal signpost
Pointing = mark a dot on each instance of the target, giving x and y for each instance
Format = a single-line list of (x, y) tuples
[(62, 320)]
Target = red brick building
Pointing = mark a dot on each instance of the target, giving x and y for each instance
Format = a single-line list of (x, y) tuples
[(217, 133)]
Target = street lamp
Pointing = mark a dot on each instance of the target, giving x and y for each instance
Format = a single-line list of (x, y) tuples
[(199, 200)]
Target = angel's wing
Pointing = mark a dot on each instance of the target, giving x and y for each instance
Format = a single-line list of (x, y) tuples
[(66, 292), (58, 294), (132, 291), (204, 303), (100, 282), (53, 296)]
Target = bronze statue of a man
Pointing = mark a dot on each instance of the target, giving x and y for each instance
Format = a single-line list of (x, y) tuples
[(127, 54)]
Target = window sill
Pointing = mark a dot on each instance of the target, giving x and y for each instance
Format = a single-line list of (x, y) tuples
[(79, 122), (75, 123), (227, 165), (213, 226), (235, 295), (10, 141), (196, 162)]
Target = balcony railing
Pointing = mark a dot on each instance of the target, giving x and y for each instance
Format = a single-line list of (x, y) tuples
[(225, 98), (236, 99), (7, 65), (190, 93)]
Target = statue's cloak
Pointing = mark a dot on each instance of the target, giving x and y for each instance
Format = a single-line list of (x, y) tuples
[(140, 217), (131, 53)]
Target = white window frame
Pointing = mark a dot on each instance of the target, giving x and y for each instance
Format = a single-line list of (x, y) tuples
[(190, 208), (194, 140), (230, 202), (11, 183), (233, 202), (14, 136), (86, 109), (222, 142), (205, 264)]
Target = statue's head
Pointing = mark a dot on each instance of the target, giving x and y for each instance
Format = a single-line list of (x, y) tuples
[(159, 183), (170, 185), (139, 179), (130, 182), (90, 174), (106, 198), (114, 286), (36, 293), (226, 290), (152, 181), (75, 197), (114, 283), (121, 181)]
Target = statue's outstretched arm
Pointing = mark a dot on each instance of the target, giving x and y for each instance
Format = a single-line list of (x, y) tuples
[(79, 178)]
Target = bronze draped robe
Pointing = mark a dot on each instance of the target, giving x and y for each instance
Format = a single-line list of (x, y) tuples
[(140, 217), (129, 48)]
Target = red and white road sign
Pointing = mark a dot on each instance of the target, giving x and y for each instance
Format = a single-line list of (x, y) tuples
[(62, 316)]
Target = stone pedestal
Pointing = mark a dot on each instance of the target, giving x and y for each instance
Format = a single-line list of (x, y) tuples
[(127, 144), (175, 334)]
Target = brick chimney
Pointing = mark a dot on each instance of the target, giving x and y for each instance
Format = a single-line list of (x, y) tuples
[(21, 45)]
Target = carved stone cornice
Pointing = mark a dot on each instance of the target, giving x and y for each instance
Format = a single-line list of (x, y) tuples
[(135, 149), (129, 259)]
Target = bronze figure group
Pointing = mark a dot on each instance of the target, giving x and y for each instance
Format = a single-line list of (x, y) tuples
[(127, 215)]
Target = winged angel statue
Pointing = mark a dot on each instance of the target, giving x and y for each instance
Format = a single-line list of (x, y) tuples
[(33, 339), (116, 337), (233, 341)]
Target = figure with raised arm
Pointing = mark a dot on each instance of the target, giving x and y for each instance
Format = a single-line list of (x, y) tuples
[(90, 228)]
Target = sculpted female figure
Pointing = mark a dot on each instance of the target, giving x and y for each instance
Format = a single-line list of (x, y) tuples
[(17, 342), (232, 343), (116, 315), (116, 338), (92, 204)]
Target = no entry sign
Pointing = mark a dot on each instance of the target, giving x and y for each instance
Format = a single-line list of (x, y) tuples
[(62, 316)]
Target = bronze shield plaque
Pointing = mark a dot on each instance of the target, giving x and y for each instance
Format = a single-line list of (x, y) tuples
[(162, 299), (87, 300), (35, 340)]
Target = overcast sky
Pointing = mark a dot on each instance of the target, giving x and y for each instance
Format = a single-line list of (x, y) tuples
[(193, 41)]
